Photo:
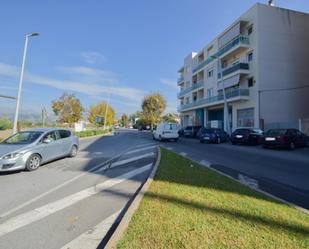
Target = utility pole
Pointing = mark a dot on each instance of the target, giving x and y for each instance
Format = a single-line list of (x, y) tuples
[(107, 104), (44, 116), (226, 110), (21, 81)]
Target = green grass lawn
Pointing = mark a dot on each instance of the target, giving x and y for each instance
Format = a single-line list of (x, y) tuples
[(190, 206)]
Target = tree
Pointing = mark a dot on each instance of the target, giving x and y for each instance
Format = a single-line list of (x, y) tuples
[(153, 106), (124, 120), (171, 117), (5, 124), (67, 108), (99, 110)]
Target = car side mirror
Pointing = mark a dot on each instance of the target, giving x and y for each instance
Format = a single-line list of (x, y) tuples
[(46, 141)]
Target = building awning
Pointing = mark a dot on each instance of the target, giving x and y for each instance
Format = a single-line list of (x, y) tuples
[(232, 81)]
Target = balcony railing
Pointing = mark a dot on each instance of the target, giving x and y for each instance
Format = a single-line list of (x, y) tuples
[(234, 68), (214, 99), (240, 39), (180, 79), (189, 89)]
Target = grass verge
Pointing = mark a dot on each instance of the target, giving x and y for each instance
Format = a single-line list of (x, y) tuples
[(190, 206), (91, 133)]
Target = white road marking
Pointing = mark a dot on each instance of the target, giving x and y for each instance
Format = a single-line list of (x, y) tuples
[(92, 238), (205, 163), (132, 159), (142, 145), (53, 207), (95, 169), (248, 181), (141, 149), (183, 153)]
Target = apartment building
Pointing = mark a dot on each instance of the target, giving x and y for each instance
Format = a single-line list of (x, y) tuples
[(261, 61)]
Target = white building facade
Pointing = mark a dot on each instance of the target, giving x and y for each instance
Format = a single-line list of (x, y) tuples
[(262, 62)]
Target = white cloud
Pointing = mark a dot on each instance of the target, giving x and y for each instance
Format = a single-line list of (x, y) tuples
[(169, 82), (93, 57), (88, 74), (87, 88)]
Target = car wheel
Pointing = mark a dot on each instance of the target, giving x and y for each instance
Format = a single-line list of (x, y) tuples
[(160, 138), (201, 141), (265, 146), (233, 142), (291, 146), (73, 152), (153, 137), (33, 162)]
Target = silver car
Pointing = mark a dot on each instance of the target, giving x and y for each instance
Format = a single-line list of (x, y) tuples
[(31, 148)]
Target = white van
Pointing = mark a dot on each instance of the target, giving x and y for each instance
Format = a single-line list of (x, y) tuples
[(166, 131)]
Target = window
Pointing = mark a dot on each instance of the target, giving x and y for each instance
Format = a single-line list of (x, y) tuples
[(250, 30), (187, 100), (245, 117), (53, 136), (250, 56), (209, 92), (210, 73), (251, 82), (64, 133)]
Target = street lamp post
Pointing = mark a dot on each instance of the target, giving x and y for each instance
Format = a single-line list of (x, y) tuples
[(21, 81)]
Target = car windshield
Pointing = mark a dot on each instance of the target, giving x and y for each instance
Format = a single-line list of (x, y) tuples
[(257, 131), (170, 127), (276, 132), (24, 137)]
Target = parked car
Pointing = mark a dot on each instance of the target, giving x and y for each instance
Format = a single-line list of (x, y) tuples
[(191, 131), (286, 138), (166, 131), (29, 149), (213, 135), (250, 136)]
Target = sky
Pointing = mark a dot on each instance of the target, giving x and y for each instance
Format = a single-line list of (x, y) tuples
[(95, 48)]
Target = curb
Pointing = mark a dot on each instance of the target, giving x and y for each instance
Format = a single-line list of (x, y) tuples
[(125, 220), (256, 189)]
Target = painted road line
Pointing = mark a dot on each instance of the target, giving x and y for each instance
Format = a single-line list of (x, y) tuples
[(139, 150), (132, 159), (246, 180), (183, 153), (53, 207), (142, 145), (205, 163), (94, 169), (93, 237)]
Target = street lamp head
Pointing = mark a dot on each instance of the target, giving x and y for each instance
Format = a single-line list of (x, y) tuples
[(33, 34)]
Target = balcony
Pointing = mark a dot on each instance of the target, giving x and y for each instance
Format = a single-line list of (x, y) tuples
[(244, 67), (191, 88), (238, 43), (180, 79), (235, 95), (204, 63)]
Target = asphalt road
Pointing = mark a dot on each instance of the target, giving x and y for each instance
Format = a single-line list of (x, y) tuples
[(72, 202), (282, 173)]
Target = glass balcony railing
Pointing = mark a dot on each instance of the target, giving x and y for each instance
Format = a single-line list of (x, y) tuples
[(240, 39), (189, 89), (214, 99), (234, 68), (204, 63), (180, 79)]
